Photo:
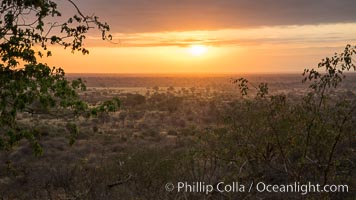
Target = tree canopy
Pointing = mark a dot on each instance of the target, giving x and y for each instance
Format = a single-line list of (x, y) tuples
[(27, 29)]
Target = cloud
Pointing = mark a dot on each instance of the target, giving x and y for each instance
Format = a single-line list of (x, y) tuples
[(303, 35), (185, 15)]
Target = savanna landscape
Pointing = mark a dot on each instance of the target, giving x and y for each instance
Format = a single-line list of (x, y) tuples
[(142, 134), (172, 128)]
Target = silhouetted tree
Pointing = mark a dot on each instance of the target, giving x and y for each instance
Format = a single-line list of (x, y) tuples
[(27, 28)]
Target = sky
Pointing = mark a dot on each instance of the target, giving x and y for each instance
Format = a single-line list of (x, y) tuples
[(211, 36)]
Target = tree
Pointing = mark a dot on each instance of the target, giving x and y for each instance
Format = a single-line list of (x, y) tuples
[(277, 139), (27, 85)]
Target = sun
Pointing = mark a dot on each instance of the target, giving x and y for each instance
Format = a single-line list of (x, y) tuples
[(198, 50)]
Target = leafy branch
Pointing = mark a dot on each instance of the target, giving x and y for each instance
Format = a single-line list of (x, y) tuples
[(27, 86)]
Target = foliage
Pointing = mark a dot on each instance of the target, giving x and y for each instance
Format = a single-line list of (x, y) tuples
[(264, 137), (275, 139), (29, 86)]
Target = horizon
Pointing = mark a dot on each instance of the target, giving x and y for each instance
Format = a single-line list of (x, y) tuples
[(197, 74)]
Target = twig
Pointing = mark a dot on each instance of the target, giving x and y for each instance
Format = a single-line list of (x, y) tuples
[(120, 182)]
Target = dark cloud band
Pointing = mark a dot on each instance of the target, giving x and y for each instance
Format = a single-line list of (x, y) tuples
[(184, 15)]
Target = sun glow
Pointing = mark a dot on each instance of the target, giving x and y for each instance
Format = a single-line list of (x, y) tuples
[(197, 50)]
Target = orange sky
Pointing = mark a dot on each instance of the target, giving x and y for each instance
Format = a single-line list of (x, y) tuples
[(268, 44)]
